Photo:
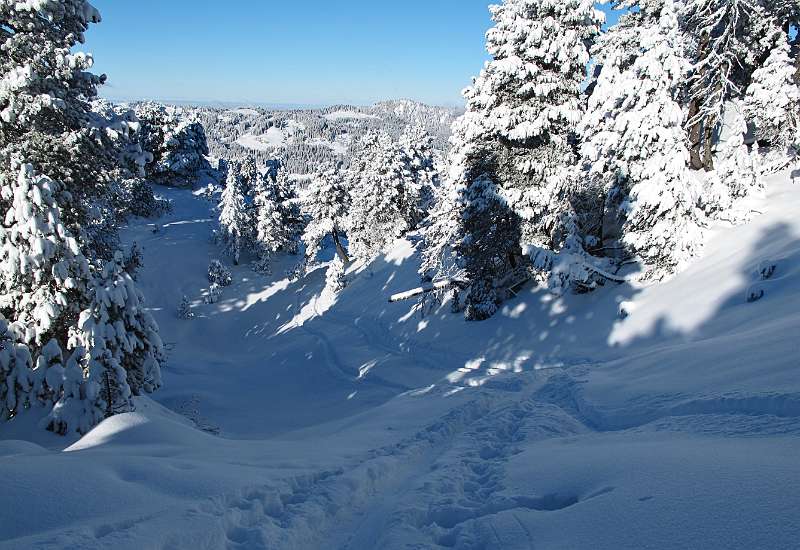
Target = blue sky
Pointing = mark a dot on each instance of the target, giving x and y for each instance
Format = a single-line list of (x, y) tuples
[(272, 51)]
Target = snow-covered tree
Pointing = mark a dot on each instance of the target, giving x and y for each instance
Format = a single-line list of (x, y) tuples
[(390, 184), (526, 103), (278, 220), (727, 40), (772, 101), (634, 149), (487, 243), (326, 203), (122, 351), (250, 174), (61, 165), (43, 272), (185, 308), (134, 260), (511, 176), (178, 144), (219, 274), (234, 216), (736, 173), (16, 376)]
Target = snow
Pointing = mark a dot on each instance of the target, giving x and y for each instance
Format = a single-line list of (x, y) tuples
[(339, 146), (274, 138), (349, 115), (245, 112), (291, 417)]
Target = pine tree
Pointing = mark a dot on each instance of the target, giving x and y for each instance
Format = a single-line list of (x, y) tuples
[(526, 103), (728, 40), (234, 217), (489, 229), (511, 178), (122, 352), (772, 101), (43, 273), (185, 309), (48, 376), (66, 169), (278, 220), (178, 143), (16, 376), (634, 149), (326, 203), (390, 183), (248, 171)]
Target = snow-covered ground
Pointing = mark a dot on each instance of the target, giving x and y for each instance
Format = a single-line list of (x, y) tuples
[(245, 112), (274, 138), (338, 146), (349, 115), (291, 418)]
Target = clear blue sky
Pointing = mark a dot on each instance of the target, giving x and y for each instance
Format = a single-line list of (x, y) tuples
[(305, 52)]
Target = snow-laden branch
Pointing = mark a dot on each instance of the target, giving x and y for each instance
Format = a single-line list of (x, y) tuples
[(424, 289)]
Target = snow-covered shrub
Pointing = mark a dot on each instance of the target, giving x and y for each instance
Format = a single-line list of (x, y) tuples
[(219, 274), (335, 278), (185, 309), (214, 294)]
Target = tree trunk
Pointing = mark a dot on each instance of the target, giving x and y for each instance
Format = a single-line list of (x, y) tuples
[(340, 251), (696, 131), (696, 160), (708, 155)]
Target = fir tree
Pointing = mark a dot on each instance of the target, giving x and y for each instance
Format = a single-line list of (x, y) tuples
[(63, 169), (122, 351), (16, 376), (326, 203), (772, 101), (390, 184), (510, 174), (185, 309), (728, 40), (178, 144), (234, 217), (634, 146), (278, 220)]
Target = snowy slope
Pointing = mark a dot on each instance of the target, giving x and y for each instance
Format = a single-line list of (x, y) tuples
[(295, 419)]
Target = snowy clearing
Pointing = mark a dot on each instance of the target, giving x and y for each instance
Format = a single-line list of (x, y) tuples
[(273, 139), (245, 112), (349, 115)]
